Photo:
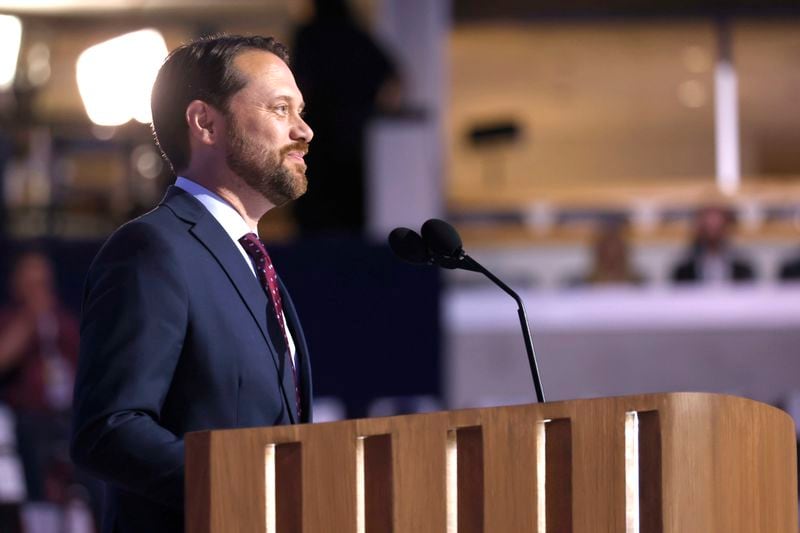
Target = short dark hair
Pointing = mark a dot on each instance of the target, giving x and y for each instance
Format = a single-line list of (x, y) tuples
[(199, 70)]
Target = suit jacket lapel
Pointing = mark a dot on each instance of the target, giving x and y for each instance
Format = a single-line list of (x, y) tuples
[(209, 232), (303, 361)]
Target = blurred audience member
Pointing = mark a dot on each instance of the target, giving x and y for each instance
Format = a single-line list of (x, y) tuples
[(342, 92), (38, 351), (610, 257), (711, 259), (790, 269)]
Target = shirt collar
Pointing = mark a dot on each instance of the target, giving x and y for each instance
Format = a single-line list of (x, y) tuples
[(230, 219)]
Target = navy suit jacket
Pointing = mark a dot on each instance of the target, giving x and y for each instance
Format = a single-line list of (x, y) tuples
[(689, 270), (173, 339)]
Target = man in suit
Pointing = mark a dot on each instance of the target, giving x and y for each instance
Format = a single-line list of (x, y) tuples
[(185, 324), (711, 259), (790, 269)]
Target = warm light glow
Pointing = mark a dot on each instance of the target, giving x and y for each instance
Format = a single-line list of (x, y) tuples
[(115, 77), (39, 64), (58, 6), (692, 93), (10, 40)]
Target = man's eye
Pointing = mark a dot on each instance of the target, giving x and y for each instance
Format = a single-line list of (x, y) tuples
[(283, 108)]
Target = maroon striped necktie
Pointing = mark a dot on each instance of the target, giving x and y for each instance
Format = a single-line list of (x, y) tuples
[(269, 281)]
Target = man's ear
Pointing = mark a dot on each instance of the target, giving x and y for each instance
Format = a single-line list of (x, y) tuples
[(204, 122)]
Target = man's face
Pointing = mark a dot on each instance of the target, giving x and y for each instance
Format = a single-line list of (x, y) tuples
[(712, 226), (266, 135)]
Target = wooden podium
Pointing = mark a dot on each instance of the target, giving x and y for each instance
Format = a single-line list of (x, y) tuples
[(677, 463)]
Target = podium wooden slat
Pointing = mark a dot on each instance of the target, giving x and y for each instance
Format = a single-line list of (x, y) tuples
[(696, 463)]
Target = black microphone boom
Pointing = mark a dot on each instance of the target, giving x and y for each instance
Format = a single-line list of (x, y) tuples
[(445, 247), (523, 322)]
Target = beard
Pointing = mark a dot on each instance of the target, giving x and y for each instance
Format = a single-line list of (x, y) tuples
[(264, 170)]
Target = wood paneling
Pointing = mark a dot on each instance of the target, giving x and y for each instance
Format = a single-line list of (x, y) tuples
[(708, 462)]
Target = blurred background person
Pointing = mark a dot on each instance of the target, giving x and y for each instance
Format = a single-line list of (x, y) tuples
[(611, 262), (346, 78), (711, 257), (38, 351), (790, 269)]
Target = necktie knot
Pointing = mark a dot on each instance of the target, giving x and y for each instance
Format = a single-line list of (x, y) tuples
[(263, 266), (253, 246)]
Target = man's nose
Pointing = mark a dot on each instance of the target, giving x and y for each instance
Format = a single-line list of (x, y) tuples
[(302, 131)]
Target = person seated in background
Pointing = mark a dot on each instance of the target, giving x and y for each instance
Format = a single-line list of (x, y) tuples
[(610, 257), (38, 353), (790, 269), (710, 258)]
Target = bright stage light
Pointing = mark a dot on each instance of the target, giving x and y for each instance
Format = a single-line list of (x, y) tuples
[(115, 77), (10, 40)]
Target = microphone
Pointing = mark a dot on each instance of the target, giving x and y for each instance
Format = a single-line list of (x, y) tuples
[(440, 244), (442, 238), (408, 246)]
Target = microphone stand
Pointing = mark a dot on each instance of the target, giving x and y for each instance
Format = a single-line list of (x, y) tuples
[(465, 262)]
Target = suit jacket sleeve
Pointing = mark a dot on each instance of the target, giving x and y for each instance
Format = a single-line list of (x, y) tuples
[(132, 330)]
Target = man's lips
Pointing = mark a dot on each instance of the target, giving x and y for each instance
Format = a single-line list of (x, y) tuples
[(296, 155)]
